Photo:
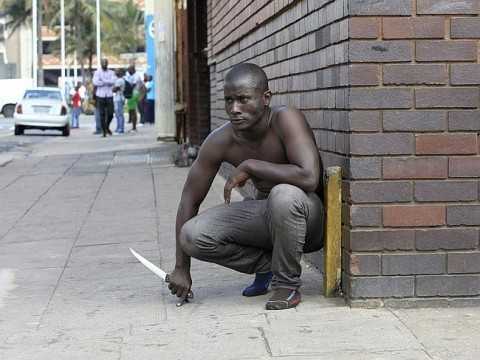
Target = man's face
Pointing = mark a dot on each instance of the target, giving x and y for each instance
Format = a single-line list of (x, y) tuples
[(131, 70), (104, 64), (244, 104)]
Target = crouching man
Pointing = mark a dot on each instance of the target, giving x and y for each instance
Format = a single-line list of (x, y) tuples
[(275, 148)]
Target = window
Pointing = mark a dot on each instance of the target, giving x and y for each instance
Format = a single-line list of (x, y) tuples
[(43, 94)]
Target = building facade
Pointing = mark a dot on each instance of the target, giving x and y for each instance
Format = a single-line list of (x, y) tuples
[(391, 89)]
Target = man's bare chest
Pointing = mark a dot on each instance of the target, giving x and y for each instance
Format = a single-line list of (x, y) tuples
[(270, 149)]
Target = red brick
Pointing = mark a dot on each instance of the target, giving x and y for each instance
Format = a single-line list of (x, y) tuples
[(449, 144), (380, 51), (415, 168), (465, 74), (465, 28), (413, 215), (364, 28), (381, 98), (364, 74), (362, 264), (447, 98), (426, 7), (446, 50), (446, 191), (414, 121), (415, 74), (464, 166), (425, 27)]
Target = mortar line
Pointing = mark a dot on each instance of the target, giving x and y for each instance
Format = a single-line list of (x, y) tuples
[(47, 306), (39, 198), (265, 341), (157, 226), (424, 348)]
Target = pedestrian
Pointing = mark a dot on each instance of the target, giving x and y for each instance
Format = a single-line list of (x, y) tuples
[(274, 147), (119, 101), (150, 102), (131, 80), (104, 79), (132, 105), (76, 108), (142, 100)]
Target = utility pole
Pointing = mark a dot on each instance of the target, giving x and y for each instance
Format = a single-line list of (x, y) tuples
[(62, 41), (99, 47), (34, 42), (165, 78)]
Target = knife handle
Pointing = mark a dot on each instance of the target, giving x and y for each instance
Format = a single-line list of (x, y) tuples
[(186, 299)]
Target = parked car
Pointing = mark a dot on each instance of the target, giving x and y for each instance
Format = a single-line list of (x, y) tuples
[(11, 91), (42, 108)]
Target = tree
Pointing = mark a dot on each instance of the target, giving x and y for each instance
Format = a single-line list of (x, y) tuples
[(20, 13)]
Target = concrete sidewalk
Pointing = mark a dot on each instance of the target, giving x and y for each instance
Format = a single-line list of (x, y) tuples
[(70, 289)]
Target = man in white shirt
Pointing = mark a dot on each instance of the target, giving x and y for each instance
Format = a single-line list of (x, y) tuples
[(104, 80)]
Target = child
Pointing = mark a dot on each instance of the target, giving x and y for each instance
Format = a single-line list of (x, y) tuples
[(76, 108), (132, 104)]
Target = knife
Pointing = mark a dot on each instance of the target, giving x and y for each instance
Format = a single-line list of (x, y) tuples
[(160, 273)]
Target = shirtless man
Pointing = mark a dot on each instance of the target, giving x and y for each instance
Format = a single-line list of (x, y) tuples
[(275, 148)]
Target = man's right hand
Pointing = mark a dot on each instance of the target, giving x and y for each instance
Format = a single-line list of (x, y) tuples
[(180, 282)]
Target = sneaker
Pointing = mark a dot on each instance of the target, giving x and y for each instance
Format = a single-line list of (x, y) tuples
[(259, 285), (283, 298)]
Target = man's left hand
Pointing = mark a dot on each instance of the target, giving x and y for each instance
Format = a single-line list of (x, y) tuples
[(238, 178)]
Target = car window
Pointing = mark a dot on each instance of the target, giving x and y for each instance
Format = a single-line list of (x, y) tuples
[(42, 94)]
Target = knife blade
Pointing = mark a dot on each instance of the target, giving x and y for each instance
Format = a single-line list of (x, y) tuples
[(160, 273)]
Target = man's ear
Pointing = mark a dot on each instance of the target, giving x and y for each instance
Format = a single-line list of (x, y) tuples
[(267, 97)]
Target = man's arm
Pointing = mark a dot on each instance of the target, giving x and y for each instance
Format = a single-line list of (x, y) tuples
[(303, 169), (110, 81), (96, 79), (196, 187)]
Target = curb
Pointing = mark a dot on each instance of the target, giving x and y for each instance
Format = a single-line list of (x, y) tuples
[(5, 160)]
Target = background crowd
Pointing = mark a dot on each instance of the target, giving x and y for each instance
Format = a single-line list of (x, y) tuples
[(112, 94)]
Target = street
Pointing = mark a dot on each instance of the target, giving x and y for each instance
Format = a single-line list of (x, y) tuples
[(69, 288)]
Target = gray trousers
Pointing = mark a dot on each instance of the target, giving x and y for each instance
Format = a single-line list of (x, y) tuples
[(259, 235)]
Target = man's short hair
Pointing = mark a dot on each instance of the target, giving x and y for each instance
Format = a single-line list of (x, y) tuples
[(252, 73)]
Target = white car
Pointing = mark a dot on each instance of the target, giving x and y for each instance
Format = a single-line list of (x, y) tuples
[(42, 108)]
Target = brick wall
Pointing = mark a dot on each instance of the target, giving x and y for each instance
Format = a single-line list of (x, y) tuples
[(391, 91), (415, 165), (302, 46)]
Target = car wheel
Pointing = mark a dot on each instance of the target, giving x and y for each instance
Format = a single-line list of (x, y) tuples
[(8, 110), (66, 130), (18, 130)]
